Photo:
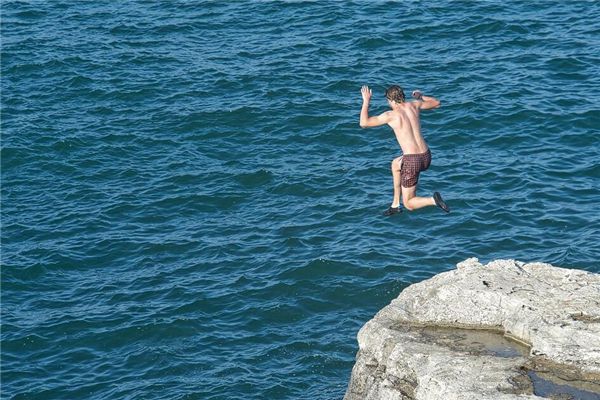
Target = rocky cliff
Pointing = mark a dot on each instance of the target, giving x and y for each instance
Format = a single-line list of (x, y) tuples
[(506, 330)]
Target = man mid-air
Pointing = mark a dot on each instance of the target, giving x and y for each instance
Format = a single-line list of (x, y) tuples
[(404, 119)]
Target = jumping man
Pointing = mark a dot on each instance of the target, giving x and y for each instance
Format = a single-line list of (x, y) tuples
[(404, 119)]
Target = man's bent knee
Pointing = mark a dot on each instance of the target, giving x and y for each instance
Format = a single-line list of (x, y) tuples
[(408, 193)]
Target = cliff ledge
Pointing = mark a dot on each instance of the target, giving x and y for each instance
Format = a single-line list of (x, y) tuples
[(506, 330)]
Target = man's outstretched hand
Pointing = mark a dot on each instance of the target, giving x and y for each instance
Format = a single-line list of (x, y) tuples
[(366, 93)]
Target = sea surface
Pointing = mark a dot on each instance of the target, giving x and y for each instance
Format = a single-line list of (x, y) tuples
[(191, 211)]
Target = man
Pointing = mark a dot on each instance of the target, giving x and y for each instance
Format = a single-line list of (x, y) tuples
[(404, 119)]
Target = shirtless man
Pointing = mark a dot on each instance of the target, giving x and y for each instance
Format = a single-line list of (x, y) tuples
[(404, 120)]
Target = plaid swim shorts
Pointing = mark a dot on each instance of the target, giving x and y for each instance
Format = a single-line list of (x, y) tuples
[(412, 165)]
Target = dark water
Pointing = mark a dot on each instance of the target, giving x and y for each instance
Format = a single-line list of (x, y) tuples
[(190, 210), (547, 388)]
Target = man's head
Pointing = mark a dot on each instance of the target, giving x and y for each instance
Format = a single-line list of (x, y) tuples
[(395, 93)]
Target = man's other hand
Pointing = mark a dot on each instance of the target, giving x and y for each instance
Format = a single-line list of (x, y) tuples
[(366, 93)]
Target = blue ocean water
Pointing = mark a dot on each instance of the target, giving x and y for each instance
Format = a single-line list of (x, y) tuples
[(190, 210)]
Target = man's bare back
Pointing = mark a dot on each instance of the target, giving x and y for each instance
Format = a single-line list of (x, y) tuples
[(404, 119)]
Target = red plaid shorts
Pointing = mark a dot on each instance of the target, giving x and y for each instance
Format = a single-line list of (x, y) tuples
[(412, 165)]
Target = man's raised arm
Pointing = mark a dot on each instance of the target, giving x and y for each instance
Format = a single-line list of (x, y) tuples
[(427, 102), (365, 120)]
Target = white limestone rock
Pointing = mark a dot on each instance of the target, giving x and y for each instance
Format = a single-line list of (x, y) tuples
[(554, 311)]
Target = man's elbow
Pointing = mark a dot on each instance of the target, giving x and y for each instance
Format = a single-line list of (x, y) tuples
[(363, 124), (430, 104)]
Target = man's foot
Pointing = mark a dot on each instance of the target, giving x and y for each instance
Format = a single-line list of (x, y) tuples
[(392, 211), (437, 197)]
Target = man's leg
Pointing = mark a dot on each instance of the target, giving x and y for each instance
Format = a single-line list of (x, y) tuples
[(412, 202), (396, 166)]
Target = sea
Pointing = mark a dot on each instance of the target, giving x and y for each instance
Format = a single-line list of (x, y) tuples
[(190, 210)]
